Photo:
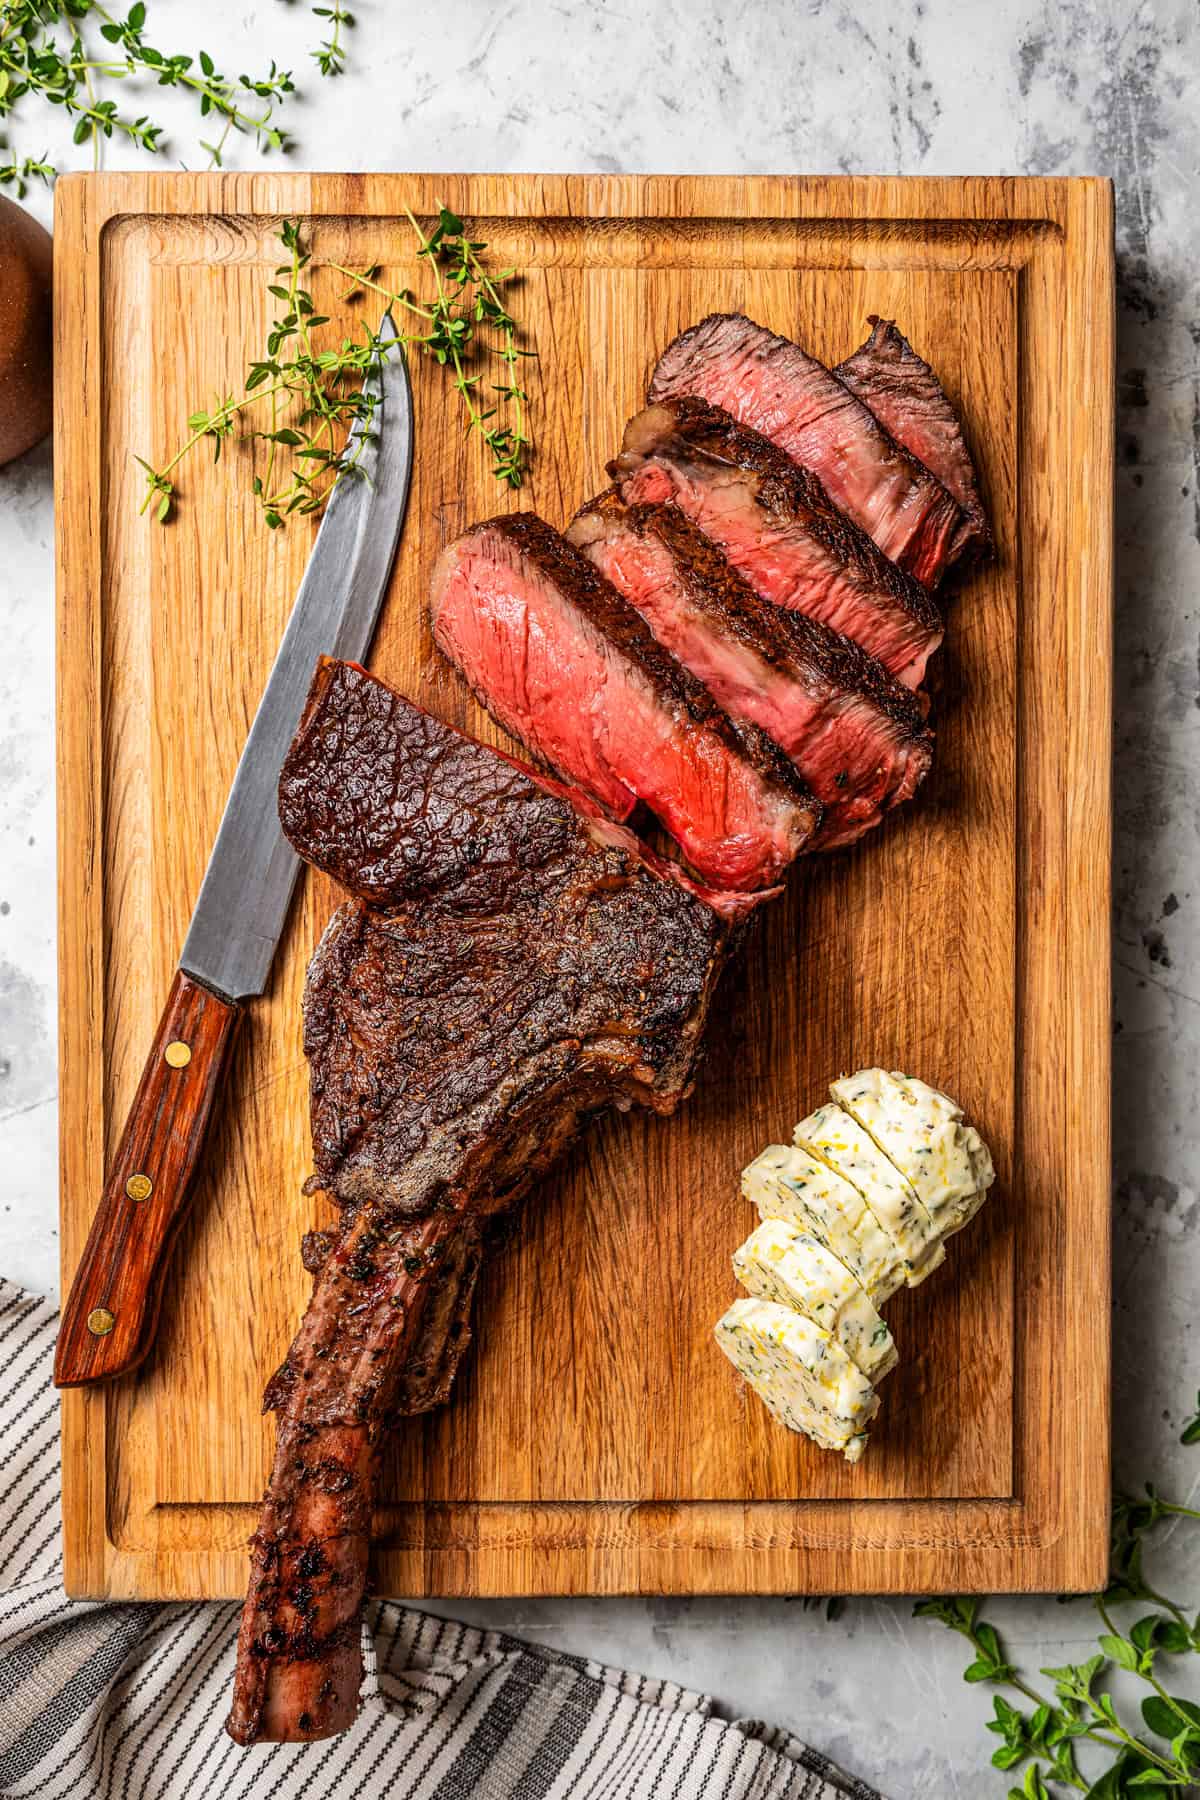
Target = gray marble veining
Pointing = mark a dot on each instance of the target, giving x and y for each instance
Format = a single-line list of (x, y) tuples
[(788, 86)]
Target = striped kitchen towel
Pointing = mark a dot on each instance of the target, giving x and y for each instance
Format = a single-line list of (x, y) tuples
[(100, 1700)]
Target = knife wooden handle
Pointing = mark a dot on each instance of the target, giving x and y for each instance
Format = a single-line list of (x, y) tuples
[(109, 1320)]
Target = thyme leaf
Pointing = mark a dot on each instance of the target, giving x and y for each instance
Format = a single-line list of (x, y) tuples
[(1191, 1427)]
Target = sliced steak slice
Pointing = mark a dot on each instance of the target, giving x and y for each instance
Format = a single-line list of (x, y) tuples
[(566, 665), (774, 523), (908, 400), (524, 965), (770, 384), (857, 737)]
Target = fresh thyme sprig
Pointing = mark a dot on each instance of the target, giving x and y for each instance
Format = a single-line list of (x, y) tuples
[(1160, 1762), (233, 102), (18, 174), (330, 54), (1191, 1427), (44, 54), (313, 396), (466, 304)]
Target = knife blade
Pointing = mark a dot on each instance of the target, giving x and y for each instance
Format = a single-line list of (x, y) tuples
[(109, 1320)]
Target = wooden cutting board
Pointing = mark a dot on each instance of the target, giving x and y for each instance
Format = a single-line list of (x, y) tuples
[(598, 1442)]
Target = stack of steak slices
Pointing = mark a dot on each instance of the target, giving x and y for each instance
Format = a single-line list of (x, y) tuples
[(856, 737), (733, 639), (565, 663), (774, 522)]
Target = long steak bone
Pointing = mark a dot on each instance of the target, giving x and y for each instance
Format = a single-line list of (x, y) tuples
[(507, 966), (299, 1656)]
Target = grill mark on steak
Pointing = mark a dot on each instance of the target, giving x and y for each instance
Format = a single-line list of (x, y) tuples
[(773, 521), (909, 401), (856, 735), (492, 982), (562, 661), (773, 386)]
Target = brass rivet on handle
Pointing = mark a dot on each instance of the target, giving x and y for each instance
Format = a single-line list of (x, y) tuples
[(178, 1054), (139, 1187), (100, 1321)]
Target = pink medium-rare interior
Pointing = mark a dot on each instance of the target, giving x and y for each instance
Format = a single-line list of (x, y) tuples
[(907, 398), (552, 680), (785, 563), (543, 685), (852, 755), (777, 389)]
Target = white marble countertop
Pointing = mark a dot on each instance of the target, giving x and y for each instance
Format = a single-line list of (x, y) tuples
[(784, 86)]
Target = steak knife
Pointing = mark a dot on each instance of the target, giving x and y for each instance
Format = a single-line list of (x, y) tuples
[(109, 1320)]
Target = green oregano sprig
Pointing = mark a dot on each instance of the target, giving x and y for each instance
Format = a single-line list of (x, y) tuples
[(312, 396), (1160, 1760)]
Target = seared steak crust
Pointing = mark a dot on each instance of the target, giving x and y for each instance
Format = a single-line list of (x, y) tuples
[(390, 802), (428, 1028)]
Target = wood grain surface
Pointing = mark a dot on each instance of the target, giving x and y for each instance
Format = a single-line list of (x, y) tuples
[(598, 1442)]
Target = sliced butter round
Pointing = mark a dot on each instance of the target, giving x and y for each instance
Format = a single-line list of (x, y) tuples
[(925, 1135), (785, 1182), (836, 1138), (782, 1263), (804, 1378)]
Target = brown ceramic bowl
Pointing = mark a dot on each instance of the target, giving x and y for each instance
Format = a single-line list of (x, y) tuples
[(25, 393)]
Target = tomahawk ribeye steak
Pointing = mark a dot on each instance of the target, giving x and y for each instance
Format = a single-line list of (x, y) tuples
[(508, 964)]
